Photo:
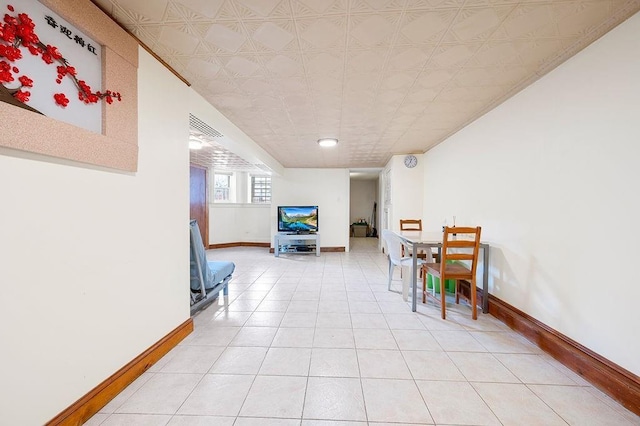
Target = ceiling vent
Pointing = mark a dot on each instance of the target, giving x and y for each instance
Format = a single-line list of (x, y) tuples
[(203, 127)]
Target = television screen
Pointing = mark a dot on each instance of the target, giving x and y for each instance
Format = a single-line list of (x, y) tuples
[(300, 219)]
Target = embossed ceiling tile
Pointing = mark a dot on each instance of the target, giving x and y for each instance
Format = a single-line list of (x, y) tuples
[(422, 96), (497, 53), (228, 36), (220, 86), (232, 101), (404, 58), (390, 99), (205, 8), (435, 4), (325, 84), (284, 65), (365, 6), (402, 121), (300, 104), (318, 7), (324, 63), (530, 20), (465, 94), (128, 18), (373, 30), (275, 35), (264, 102), (147, 34), (579, 18), (153, 11), (412, 109), (355, 82), (255, 85), (290, 84), (399, 81), (366, 60), (253, 9), (322, 33), (447, 56), (204, 68), (425, 26), (179, 41), (491, 76), (473, 24), (241, 66), (435, 78), (536, 52)]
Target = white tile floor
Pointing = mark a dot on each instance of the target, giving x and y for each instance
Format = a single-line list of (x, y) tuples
[(319, 341)]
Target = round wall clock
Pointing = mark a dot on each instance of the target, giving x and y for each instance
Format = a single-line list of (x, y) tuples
[(410, 161)]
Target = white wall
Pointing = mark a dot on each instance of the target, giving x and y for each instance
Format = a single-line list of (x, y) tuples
[(363, 194), (93, 262), (232, 223), (407, 189), (326, 188), (552, 176)]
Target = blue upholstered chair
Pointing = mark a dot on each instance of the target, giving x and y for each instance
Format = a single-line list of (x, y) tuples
[(207, 277)]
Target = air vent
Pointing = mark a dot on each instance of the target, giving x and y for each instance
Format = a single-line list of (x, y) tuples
[(200, 125)]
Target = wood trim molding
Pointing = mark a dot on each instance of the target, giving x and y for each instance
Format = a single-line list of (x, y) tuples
[(617, 382), (81, 410), (238, 244)]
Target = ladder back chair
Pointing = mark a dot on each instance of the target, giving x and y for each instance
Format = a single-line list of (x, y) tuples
[(458, 261), (410, 227)]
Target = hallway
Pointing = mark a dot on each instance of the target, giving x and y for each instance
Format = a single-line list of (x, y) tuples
[(319, 341)]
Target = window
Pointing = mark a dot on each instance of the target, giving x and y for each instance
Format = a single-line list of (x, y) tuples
[(260, 189), (221, 186)]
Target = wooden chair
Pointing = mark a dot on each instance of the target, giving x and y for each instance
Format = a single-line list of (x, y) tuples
[(459, 244), (412, 226)]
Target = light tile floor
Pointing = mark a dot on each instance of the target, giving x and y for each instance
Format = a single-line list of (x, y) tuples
[(319, 341)]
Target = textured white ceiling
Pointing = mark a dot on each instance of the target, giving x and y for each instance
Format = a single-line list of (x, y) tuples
[(383, 76)]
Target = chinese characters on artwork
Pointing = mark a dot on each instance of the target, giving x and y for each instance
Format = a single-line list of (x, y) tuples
[(67, 32)]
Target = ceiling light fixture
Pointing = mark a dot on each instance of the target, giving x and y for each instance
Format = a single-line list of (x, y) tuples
[(327, 142), (194, 144)]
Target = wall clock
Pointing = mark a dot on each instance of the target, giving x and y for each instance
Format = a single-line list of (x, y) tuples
[(410, 161)]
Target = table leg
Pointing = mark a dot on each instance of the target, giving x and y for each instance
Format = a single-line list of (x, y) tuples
[(414, 274), (485, 280)]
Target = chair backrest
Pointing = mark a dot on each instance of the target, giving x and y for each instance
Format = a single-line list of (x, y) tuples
[(461, 243), (199, 273), (411, 224), (394, 245)]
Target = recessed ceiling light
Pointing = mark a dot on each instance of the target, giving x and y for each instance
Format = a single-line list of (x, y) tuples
[(327, 142)]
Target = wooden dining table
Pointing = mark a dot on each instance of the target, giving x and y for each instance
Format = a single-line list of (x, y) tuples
[(433, 239)]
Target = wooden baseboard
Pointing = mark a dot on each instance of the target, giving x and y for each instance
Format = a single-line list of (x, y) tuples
[(322, 250), (80, 411), (238, 244), (620, 384)]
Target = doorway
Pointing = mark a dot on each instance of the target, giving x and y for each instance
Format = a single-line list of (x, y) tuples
[(199, 200)]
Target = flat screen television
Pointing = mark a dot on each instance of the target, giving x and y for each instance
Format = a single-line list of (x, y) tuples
[(298, 219)]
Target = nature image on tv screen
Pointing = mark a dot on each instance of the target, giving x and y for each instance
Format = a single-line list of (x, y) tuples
[(298, 219)]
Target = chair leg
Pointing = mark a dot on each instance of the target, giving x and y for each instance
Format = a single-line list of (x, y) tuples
[(390, 274), (474, 308), (443, 298), (457, 293), (424, 286)]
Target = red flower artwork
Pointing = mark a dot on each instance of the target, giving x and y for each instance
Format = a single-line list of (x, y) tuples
[(19, 31), (61, 99)]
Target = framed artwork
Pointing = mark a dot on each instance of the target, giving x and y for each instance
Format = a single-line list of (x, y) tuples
[(68, 83)]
